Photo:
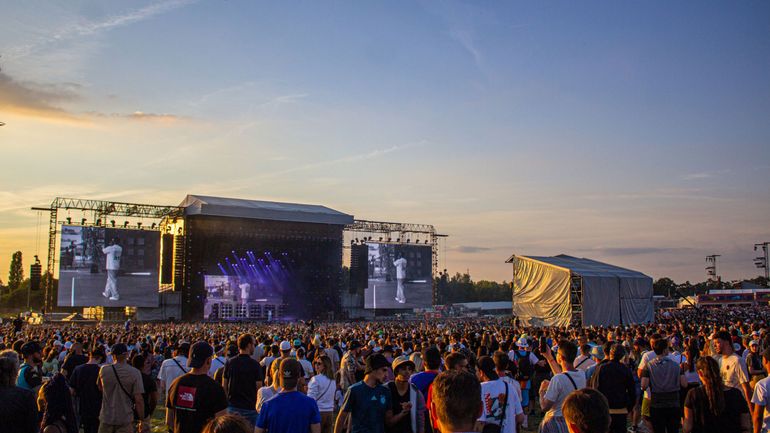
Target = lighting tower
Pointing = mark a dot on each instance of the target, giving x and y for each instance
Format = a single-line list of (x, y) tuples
[(761, 262)]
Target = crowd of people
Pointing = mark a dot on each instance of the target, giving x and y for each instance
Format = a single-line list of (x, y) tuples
[(694, 370)]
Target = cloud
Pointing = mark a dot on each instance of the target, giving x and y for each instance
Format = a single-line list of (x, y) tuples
[(635, 251), (37, 100), (91, 28), (705, 174), (468, 249), (465, 39)]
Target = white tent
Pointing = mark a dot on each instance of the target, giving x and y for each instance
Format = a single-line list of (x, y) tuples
[(549, 290)]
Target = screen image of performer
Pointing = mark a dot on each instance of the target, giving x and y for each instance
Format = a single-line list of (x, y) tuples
[(113, 253), (400, 265), (245, 287)]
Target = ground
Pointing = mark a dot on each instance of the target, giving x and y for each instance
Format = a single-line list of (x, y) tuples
[(134, 290)]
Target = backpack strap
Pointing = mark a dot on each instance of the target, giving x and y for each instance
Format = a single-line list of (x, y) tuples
[(571, 380)]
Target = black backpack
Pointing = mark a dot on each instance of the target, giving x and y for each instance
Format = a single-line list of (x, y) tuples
[(525, 367)]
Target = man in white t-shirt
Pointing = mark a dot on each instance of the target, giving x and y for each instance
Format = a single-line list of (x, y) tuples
[(245, 288), (113, 253), (172, 368), (761, 398), (584, 361), (553, 392), (493, 391), (731, 366), (400, 265)]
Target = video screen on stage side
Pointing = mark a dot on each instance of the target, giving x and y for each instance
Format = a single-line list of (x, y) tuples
[(400, 276), (108, 267), (251, 285)]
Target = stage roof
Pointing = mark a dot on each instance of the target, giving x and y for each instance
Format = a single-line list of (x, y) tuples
[(582, 266), (264, 210)]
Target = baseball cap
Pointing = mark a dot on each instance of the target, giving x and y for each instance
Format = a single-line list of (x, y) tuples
[(290, 372), (199, 353), (119, 349), (401, 360), (375, 362), (297, 342), (285, 345), (487, 365), (355, 344)]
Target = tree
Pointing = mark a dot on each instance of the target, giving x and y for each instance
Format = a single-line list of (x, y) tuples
[(664, 287), (16, 274)]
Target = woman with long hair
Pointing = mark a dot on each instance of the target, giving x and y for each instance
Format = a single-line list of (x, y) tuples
[(714, 407), (55, 401), (322, 388), (228, 424)]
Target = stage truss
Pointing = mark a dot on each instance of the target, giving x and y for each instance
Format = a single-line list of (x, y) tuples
[(100, 212), (399, 233)]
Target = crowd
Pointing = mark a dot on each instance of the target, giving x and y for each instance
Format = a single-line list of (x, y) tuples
[(694, 370)]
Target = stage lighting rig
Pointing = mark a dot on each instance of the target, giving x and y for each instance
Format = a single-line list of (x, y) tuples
[(69, 220), (125, 224), (112, 222), (83, 222)]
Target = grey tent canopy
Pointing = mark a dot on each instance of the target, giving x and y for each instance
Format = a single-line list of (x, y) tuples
[(549, 290)]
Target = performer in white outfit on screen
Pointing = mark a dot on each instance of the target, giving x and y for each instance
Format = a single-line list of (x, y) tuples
[(400, 265), (113, 253)]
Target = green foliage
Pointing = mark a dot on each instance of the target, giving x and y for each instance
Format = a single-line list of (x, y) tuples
[(16, 274), (16, 300), (461, 288)]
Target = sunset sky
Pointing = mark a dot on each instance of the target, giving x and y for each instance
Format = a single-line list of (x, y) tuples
[(636, 133)]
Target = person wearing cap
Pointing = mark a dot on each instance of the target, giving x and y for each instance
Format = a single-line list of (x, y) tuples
[(194, 398), (285, 348), (525, 361), (757, 371), (290, 410), (407, 402), (366, 404), (31, 372), (174, 367), (242, 378), (122, 389), (731, 366), (350, 366), (500, 402)]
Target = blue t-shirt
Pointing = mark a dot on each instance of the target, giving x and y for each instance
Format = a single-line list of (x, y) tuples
[(422, 380), (288, 412), (367, 407)]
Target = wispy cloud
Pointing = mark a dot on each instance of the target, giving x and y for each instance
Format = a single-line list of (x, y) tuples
[(467, 42), (705, 174), (634, 251), (469, 249), (76, 30)]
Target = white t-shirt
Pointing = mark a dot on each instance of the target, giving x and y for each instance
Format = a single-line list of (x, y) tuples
[(560, 387), (169, 370), (516, 386), (322, 390), (244, 291), (113, 253), (307, 367), (400, 265), (216, 363), (761, 397), (492, 399), (733, 370)]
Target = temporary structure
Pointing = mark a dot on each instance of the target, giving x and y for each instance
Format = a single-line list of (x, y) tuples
[(555, 291)]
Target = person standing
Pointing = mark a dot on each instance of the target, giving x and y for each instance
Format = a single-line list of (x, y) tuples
[(350, 365), (714, 408), (455, 411), (400, 265), (122, 389), (84, 382), (174, 367), (150, 395), (731, 366), (663, 378), (761, 398), (17, 411), (74, 358), (322, 388), (113, 253), (500, 402), (241, 380), (586, 411), (289, 411), (407, 402), (367, 403), (553, 392), (194, 398), (31, 372), (616, 382)]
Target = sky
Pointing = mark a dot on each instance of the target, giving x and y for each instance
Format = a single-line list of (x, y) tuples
[(634, 133)]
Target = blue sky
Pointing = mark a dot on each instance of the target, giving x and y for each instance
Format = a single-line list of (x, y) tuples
[(634, 133)]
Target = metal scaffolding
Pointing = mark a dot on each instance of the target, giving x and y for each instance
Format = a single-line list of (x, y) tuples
[(100, 210), (401, 233)]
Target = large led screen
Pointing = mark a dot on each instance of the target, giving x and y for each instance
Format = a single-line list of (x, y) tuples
[(250, 285), (108, 267), (400, 276)]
